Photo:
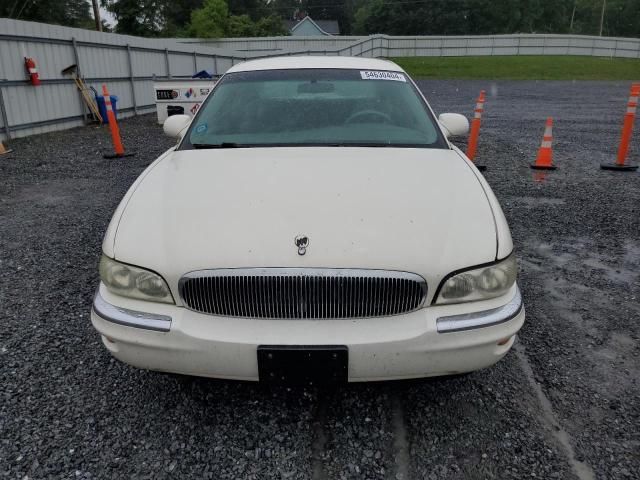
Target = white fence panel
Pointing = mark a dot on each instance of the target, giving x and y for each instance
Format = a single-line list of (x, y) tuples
[(103, 62), (145, 94), (181, 64), (148, 64), (129, 64)]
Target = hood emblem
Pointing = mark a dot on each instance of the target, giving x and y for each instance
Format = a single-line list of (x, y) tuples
[(302, 242)]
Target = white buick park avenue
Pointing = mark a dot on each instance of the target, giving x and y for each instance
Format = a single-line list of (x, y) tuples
[(312, 224)]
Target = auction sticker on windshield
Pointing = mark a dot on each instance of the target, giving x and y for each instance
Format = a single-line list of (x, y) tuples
[(378, 75)]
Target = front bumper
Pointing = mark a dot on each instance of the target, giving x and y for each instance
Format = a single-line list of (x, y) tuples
[(438, 340)]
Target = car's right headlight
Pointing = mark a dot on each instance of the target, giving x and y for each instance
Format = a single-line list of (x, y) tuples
[(479, 283), (133, 282)]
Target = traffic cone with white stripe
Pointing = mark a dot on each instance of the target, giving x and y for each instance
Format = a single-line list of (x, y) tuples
[(3, 149), (113, 126), (472, 147), (545, 154), (627, 129)]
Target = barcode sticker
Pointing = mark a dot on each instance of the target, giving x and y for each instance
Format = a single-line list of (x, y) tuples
[(379, 75)]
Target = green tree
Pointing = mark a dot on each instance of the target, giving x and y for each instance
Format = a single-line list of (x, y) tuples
[(70, 13), (213, 21), (622, 18), (177, 16), (152, 18), (481, 17), (402, 18), (255, 9), (270, 26), (341, 10), (210, 21), (144, 18), (240, 26)]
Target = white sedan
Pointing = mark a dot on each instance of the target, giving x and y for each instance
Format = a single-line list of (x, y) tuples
[(313, 224)]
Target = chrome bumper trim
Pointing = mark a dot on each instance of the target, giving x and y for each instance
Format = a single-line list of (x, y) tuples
[(130, 318), (486, 318)]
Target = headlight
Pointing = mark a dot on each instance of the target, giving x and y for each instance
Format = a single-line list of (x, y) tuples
[(133, 282), (480, 283)]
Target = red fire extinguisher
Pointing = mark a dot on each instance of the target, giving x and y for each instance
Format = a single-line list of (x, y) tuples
[(30, 65)]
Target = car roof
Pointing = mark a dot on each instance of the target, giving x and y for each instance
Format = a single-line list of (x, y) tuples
[(306, 61)]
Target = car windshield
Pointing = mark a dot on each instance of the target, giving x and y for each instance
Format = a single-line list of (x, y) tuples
[(321, 107)]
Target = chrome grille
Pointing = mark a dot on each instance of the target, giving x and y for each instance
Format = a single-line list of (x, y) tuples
[(302, 292)]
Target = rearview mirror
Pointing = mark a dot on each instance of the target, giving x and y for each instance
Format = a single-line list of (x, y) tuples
[(175, 126), (316, 87), (454, 124)]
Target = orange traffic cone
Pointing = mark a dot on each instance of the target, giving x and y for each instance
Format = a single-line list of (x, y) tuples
[(113, 126), (627, 129), (3, 149), (472, 147), (545, 154)]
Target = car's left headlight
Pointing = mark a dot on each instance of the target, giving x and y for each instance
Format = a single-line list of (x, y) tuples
[(133, 282), (479, 283)]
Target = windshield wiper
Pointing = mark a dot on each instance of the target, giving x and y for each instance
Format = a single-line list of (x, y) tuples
[(219, 145), (362, 144)]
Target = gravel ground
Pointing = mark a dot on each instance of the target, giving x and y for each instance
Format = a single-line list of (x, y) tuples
[(565, 403)]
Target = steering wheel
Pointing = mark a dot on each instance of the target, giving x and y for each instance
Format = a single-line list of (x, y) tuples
[(364, 113)]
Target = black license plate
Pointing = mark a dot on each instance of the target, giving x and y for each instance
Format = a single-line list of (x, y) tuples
[(303, 365)]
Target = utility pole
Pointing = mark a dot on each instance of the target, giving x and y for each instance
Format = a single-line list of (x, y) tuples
[(604, 6), (573, 14), (96, 15)]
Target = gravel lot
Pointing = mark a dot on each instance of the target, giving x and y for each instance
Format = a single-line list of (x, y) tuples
[(565, 403)]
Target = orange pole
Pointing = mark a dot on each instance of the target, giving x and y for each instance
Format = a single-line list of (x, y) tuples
[(627, 127), (472, 147), (113, 124)]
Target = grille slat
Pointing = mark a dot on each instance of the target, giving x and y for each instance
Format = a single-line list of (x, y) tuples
[(299, 293), (206, 293), (228, 295)]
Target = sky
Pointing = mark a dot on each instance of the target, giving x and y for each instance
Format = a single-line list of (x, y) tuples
[(107, 17)]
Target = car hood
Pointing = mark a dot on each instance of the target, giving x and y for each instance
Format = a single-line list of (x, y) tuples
[(416, 210)]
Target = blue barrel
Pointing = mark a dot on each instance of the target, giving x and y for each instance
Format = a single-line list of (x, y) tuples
[(102, 107)]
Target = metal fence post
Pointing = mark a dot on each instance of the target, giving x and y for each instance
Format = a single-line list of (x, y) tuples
[(83, 107), (195, 62), (3, 112), (132, 81), (166, 60), (613, 51), (363, 46)]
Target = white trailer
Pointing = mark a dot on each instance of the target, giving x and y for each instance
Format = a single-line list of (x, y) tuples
[(180, 96)]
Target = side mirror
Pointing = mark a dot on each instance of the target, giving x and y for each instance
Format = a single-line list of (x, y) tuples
[(176, 125), (454, 124)]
